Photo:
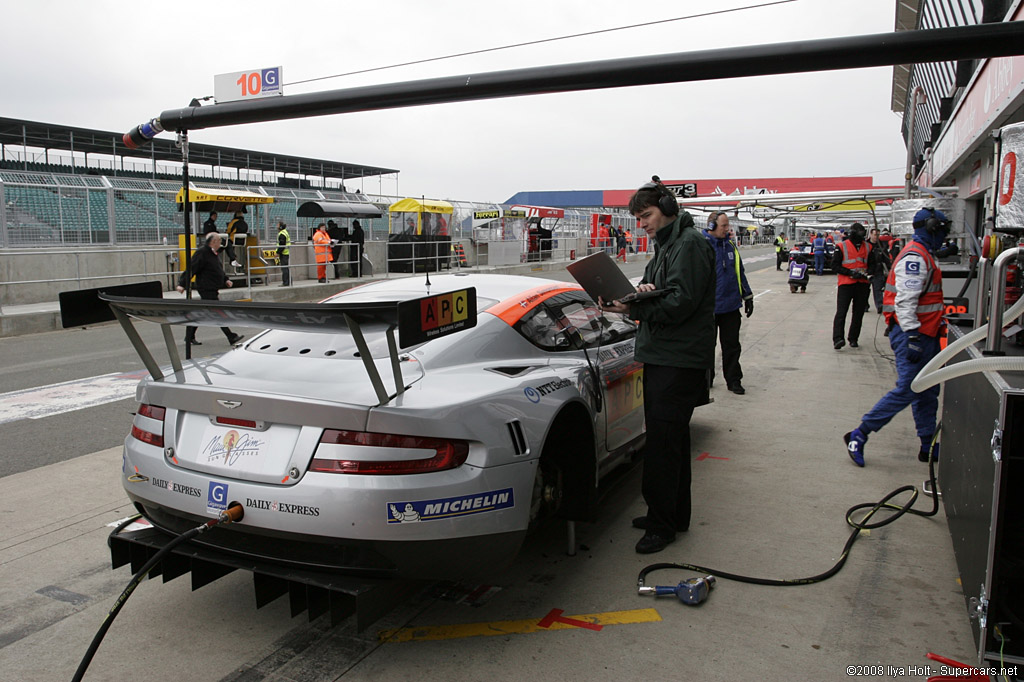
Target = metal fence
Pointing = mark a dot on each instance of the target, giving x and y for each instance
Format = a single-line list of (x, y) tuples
[(52, 210)]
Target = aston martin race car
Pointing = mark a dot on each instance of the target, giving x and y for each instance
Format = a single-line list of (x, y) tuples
[(400, 428)]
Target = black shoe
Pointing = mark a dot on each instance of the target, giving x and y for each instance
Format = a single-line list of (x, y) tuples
[(839, 344), (194, 342), (853, 344), (737, 388), (650, 543), (235, 339), (322, 281), (641, 523)]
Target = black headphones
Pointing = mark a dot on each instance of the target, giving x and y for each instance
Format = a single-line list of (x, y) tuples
[(713, 219), (667, 203), (934, 223)]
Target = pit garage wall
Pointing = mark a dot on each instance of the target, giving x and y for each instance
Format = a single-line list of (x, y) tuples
[(982, 501), (963, 154)]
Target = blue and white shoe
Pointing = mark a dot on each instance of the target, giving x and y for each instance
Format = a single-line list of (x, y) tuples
[(855, 441)]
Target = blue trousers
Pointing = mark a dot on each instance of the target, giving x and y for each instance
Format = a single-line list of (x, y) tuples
[(925, 405), (819, 262)]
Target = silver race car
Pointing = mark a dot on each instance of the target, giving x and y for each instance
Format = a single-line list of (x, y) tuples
[(501, 401)]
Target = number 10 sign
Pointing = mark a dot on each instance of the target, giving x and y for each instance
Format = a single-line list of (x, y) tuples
[(252, 84)]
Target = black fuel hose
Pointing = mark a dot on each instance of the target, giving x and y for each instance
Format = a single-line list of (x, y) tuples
[(863, 524), (232, 514)]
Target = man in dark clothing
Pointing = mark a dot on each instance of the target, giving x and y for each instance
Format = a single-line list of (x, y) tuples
[(732, 292), (850, 263), (879, 263), (210, 277), (676, 343), (358, 239), (211, 223), (337, 235)]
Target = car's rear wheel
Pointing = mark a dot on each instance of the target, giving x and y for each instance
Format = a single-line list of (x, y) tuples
[(547, 492)]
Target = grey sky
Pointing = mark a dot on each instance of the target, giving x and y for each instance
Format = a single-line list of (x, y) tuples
[(106, 65)]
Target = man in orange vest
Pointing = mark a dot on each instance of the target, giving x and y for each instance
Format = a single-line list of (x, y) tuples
[(913, 308), (850, 262), (322, 251)]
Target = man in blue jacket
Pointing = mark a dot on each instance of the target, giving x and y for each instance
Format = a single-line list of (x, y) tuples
[(732, 292), (818, 247)]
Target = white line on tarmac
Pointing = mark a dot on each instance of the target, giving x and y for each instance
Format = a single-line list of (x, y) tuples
[(46, 401)]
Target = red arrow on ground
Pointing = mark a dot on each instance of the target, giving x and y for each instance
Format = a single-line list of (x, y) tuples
[(704, 455)]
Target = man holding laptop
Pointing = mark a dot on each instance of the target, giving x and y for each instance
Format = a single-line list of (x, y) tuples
[(676, 343)]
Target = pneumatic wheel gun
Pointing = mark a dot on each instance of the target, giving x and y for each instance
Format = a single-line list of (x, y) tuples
[(692, 591)]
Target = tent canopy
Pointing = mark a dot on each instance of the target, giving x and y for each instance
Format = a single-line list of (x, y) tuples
[(221, 200), (421, 206), (338, 209)]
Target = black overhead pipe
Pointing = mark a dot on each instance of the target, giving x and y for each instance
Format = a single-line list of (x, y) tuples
[(883, 49)]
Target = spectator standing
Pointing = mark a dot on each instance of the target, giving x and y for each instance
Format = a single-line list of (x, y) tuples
[(850, 262), (205, 267), (676, 344), (732, 292), (780, 251), (337, 235), (211, 223), (620, 244), (914, 312), (879, 263), (322, 252), (818, 248), (358, 239), (284, 240)]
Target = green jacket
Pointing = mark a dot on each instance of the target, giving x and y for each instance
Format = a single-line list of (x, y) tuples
[(678, 329)]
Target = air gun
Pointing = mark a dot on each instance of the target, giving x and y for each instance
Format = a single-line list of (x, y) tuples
[(692, 591)]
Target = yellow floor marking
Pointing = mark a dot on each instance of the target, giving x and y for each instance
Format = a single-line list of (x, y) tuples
[(513, 627)]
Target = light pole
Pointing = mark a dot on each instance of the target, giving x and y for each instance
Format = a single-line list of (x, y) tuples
[(918, 96)]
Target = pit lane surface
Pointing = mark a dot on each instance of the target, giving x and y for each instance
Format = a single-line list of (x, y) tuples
[(767, 500)]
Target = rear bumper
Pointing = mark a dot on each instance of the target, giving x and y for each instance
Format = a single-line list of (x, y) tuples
[(427, 559)]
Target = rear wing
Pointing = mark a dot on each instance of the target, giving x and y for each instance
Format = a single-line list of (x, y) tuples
[(417, 320)]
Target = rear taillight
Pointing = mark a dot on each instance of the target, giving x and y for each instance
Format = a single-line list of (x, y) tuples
[(438, 454), (147, 432)]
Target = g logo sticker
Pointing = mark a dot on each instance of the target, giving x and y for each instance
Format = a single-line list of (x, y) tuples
[(531, 394)]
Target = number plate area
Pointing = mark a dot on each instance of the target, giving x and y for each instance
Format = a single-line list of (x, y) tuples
[(237, 452)]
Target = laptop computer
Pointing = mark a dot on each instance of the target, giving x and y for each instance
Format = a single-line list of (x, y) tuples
[(601, 277)]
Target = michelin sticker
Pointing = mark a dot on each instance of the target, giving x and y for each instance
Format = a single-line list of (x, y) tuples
[(450, 507)]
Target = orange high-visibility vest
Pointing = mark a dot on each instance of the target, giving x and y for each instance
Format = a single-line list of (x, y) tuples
[(930, 307), (323, 247), (853, 259)]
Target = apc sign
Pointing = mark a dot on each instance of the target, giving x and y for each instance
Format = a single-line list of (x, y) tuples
[(431, 317)]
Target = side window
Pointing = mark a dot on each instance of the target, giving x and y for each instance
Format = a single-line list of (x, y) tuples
[(541, 330), (563, 323)]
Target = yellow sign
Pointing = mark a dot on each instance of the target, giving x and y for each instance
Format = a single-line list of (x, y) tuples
[(848, 205), (237, 197)]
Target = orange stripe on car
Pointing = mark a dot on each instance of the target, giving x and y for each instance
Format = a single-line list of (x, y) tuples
[(512, 309)]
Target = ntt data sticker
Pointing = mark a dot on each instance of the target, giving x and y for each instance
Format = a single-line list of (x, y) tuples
[(450, 507)]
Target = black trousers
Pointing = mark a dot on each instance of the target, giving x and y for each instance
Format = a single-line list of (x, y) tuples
[(858, 294), (190, 332), (729, 337), (670, 394), (286, 273), (878, 289)]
